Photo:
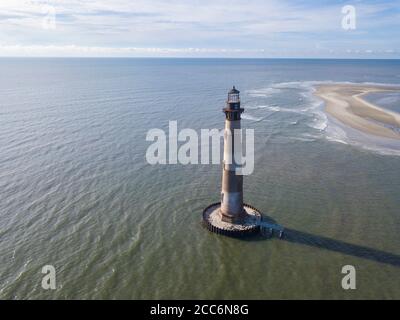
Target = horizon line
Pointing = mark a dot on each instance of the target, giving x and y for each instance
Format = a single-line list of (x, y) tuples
[(185, 57)]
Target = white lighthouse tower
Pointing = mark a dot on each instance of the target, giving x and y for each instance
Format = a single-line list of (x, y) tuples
[(231, 216)]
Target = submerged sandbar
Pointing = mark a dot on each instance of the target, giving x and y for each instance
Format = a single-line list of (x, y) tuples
[(345, 103)]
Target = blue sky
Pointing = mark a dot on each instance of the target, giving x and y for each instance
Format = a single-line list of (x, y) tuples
[(198, 28)]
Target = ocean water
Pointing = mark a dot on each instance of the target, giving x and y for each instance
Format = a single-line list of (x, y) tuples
[(76, 191)]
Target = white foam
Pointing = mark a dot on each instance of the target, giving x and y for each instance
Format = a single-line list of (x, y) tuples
[(303, 139), (264, 107), (247, 116), (265, 92), (257, 107), (274, 108), (280, 109), (319, 122), (336, 134)]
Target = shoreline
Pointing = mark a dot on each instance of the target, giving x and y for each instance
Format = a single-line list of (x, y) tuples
[(345, 103)]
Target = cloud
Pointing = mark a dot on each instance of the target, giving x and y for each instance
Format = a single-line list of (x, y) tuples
[(279, 26), (91, 51)]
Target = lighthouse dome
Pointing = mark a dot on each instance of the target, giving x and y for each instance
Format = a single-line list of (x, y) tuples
[(234, 91)]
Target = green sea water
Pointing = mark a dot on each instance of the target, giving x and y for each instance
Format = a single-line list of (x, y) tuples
[(76, 191)]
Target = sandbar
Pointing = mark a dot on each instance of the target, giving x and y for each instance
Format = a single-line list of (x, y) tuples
[(345, 103)]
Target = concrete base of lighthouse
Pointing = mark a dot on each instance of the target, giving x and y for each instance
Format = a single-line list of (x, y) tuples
[(249, 223)]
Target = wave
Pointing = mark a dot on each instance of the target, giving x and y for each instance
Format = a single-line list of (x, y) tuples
[(275, 108), (303, 139), (258, 107), (247, 116), (311, 84), (337, 134), (319, 122), (265, 92)]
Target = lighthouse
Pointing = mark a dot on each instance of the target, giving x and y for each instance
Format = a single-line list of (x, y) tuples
[(231, 216), (232, 183)]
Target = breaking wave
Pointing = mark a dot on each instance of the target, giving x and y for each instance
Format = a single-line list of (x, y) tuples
[(250, 117), (266, 92)]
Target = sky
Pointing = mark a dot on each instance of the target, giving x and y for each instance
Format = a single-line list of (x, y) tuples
[(200, 28)]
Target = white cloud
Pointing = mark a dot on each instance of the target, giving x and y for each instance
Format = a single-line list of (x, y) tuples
[(210, 24), (90, 51), (93, 51)]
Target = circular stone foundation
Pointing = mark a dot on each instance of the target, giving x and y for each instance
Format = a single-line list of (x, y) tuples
[(249, 226)]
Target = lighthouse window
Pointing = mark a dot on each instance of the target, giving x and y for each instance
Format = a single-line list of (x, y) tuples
[(222, 197), (233, 97)]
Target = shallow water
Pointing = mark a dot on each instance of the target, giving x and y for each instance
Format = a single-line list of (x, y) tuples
[(77, 192)]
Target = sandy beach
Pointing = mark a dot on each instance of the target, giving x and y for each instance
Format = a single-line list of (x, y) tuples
[(345, 102)]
